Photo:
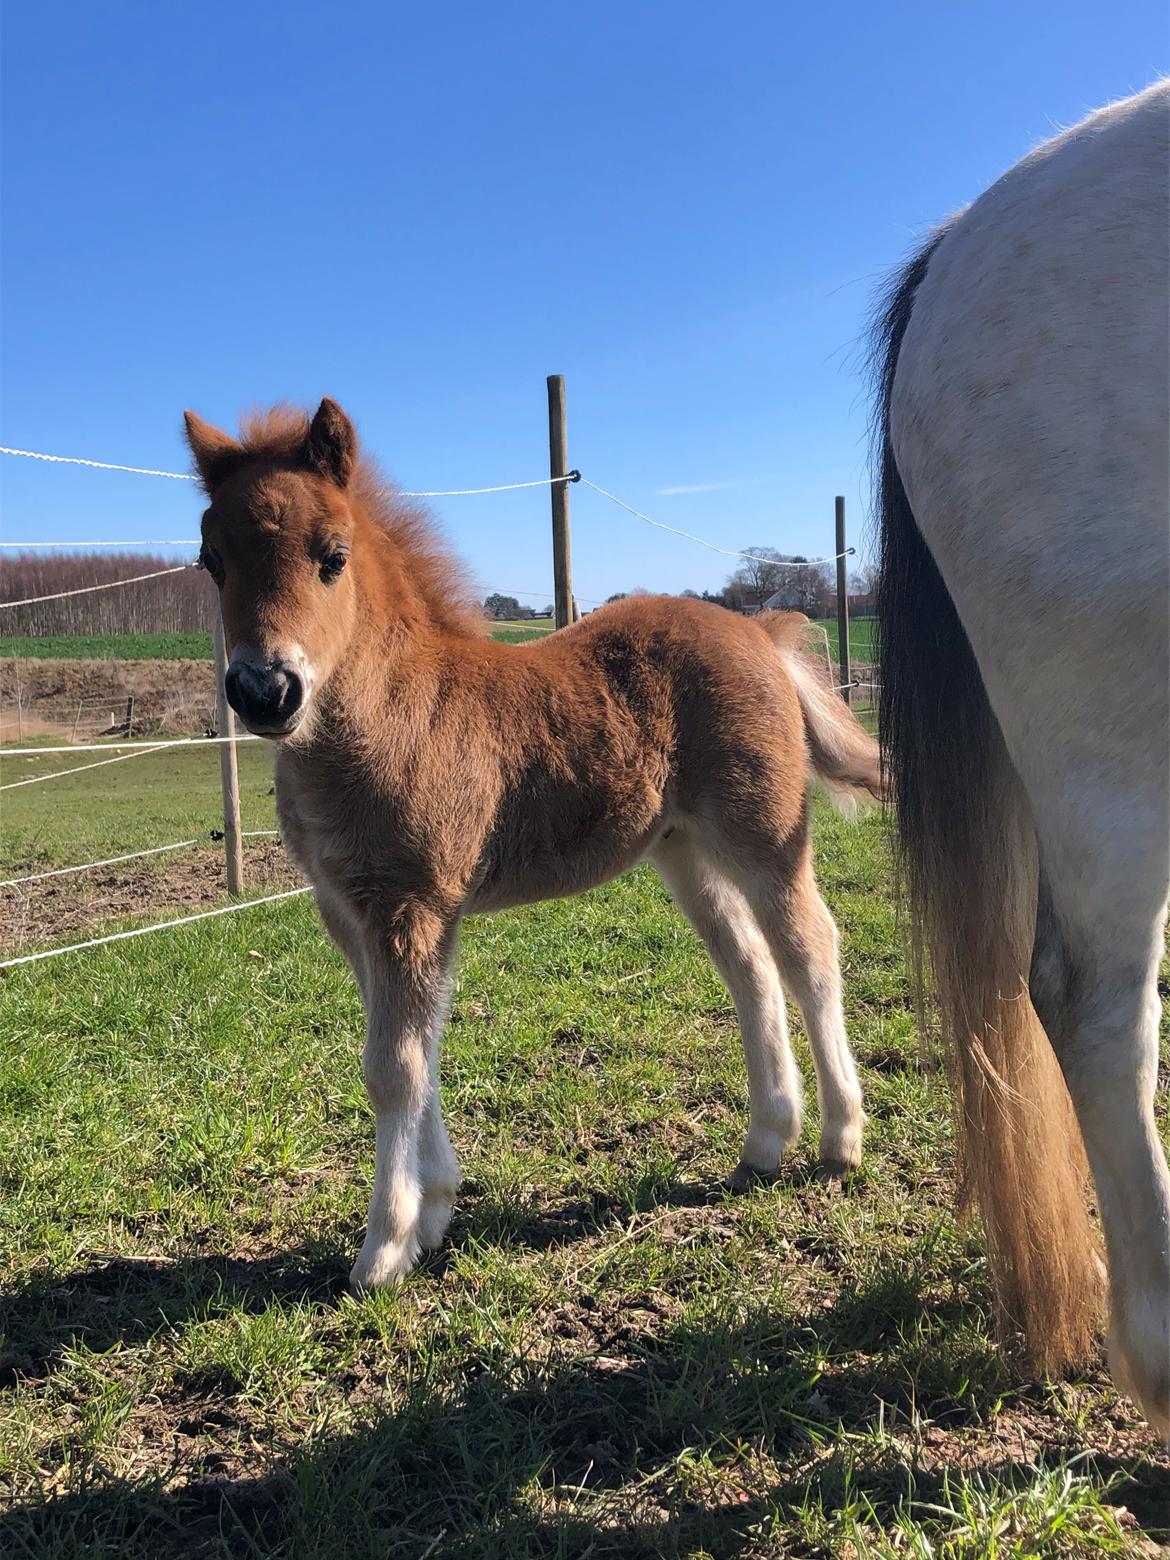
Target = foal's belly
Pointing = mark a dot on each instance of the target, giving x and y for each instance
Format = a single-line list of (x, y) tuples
[(512, 882)]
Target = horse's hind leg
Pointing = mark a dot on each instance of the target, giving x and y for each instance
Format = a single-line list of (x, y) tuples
[(1094, 986), (803, 939), (720, 915)]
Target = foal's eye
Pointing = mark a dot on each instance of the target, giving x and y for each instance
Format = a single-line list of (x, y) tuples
[(332, 565), (212, 562)]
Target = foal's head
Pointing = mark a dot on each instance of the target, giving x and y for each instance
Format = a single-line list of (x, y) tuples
[(277, 540)]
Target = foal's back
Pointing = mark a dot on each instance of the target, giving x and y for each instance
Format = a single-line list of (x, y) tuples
[(608, 734)]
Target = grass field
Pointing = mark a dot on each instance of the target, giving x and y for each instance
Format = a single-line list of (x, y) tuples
[(611, 1358), (166, 647), (197, 647)]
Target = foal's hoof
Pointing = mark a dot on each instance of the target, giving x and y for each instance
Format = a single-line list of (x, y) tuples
[(380, 1266), (833, 1172), (434, 1217), (745, 1177)]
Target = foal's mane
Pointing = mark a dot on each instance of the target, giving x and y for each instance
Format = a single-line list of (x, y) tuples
[(278, 436)]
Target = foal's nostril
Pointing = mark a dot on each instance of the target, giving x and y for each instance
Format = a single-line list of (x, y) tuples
[(294, 691), (264, 696)]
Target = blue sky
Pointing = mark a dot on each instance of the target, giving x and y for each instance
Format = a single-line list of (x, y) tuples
[(424, 210)]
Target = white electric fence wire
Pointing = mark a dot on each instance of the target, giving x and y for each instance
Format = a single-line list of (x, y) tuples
[(86, 590), (110, 861), (728, 552), (182, 541), (62, 774), (160, 926), (111, 747), (187, 476), (100, 465)]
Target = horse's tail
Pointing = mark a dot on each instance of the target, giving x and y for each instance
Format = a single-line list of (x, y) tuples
[(966, 853), (843, 757)]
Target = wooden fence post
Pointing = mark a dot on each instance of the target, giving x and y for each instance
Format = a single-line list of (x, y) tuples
[(843, 606), (225, 722), (129, 715), (558, 466)]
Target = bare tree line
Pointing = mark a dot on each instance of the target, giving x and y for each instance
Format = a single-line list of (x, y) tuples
[(175, 604)]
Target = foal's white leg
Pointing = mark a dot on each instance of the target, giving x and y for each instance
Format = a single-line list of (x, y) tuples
[(404, 1000), (804, 942), (438, 1169), (720, 915)]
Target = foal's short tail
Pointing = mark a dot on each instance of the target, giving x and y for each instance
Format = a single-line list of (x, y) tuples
[(843, 756), (967, 855)]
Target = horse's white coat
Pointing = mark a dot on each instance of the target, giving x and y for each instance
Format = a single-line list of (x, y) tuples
[(1031, 425)]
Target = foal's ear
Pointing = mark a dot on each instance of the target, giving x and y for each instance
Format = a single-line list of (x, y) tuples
[(215, 452), (332, 444)]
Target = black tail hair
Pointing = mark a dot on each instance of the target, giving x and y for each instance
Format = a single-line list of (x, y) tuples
[(965, 849)]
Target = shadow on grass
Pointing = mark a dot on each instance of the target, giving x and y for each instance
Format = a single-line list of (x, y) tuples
[(128, 1299), (671, 1445)]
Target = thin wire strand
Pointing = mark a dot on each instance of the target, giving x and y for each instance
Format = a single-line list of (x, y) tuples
[(111, 861), (62, 774), (85, 866), (182, 541), (159, 926), (145, 745), (503, 487), (728, 552), (100, 465), (86, 590), (186, 476)]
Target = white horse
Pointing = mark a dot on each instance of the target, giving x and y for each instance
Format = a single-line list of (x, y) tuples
[(1024, 607)]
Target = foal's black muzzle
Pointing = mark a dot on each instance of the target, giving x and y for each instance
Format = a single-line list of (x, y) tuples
[(268, 699)]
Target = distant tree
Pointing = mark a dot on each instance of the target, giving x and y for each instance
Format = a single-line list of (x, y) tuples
[(788, 580), (618, 595), (758, 574), (690, 595), (549, 611), (497, 606), (864, 579)]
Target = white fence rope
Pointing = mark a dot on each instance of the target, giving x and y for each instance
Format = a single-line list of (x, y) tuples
[(100, 465), (187, 476), (160, 926), (85, 866), (182, 541), (86, 590), (134, 855), (144, 745), (62, 774), (728, 552)]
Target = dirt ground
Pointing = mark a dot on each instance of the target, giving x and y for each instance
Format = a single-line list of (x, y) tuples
[(173, 697), (90, 903)]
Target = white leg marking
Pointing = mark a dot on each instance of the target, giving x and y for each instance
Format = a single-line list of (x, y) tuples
[(721, 916)]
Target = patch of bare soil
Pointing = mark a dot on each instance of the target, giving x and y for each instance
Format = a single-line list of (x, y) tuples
[(86, 904), (175, 697)]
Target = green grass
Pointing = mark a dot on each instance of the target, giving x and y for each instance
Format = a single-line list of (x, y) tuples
[(109, 647), (197, 647), (612, 1357), (167, 647), (861, 636)]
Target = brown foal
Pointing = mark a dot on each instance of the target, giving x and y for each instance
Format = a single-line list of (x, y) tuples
[(425, 771)]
